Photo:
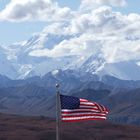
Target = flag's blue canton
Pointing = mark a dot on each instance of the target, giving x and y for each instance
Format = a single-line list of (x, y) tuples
[(68, 102)]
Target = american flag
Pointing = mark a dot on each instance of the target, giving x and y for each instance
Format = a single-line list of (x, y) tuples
[(74, 109)]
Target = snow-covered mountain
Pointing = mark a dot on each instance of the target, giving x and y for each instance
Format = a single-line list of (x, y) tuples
[(18, 62), (26, 59), (6, 68), (127, 70)]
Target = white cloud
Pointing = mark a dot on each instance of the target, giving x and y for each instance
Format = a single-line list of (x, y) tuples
[(98, 20), (104, 2), (79, 46), (100, 30), (45, 10), (88, 5), (121, 50), (114, 36)]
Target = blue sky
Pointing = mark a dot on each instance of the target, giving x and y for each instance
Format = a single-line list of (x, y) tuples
[(14, 32), (11, 32), (133, 6)]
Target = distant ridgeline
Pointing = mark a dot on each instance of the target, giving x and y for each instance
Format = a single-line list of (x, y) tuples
[(35, 96)]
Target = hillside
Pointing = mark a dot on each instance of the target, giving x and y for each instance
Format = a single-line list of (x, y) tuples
[(41, 128)]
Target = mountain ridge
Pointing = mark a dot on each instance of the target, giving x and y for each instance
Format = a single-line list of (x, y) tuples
[(36, 95)]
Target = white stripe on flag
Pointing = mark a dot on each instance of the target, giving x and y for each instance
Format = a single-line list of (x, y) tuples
[(85, 117)]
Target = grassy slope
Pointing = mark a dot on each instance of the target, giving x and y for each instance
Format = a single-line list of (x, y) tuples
[(40, 128)]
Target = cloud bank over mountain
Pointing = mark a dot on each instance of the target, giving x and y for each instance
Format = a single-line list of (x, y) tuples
[(103, 31), (94, 29)]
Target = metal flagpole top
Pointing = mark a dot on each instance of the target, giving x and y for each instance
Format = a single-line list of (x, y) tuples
[(57, 85)]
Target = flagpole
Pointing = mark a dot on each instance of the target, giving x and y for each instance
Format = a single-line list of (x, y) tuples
[(57, 112)]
